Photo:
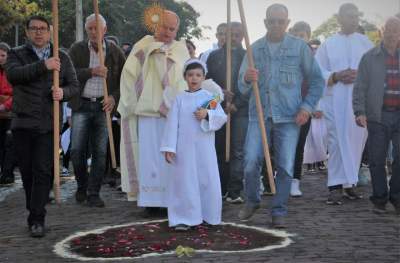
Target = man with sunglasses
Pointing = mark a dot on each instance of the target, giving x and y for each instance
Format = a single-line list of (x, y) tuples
[(282, 62), (29, 69), (339, 57)]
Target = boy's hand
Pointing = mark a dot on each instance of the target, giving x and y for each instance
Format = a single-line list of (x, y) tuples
[(169, 157), (200, 114)]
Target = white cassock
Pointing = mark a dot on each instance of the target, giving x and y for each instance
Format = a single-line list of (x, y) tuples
[(194, 192), (315, 149), (153, 170), (346, 140)]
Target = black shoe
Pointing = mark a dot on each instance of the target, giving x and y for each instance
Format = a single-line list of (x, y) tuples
[(379, 209), (6, 181), (396, 208), (95, 201), (80, 196), (37, 230)]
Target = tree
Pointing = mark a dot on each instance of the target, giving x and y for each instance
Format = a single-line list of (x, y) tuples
[(331, 26), (13, 12), (124, 18)]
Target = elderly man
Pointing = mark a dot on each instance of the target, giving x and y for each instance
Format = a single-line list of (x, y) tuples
[(338, 57), (89, 127), (29, 69), (376, 104), (282, 62), (151, 78), (231, 173)]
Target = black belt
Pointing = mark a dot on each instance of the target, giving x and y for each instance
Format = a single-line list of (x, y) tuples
[(390, 108), (99, 99)]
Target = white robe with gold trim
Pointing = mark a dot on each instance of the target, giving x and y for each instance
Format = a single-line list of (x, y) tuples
[(151, 77)]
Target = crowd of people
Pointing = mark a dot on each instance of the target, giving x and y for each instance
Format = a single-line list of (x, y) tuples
[(324, 104)]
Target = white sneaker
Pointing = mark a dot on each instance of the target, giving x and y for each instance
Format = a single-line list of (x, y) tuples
[(295, 188)]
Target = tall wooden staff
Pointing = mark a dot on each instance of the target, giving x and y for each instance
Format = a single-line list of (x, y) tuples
[(105, 91), (228, 79), (258, 101), (56, 108)]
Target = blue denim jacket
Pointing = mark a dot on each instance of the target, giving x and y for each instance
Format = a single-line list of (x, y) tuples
[(280, 78)]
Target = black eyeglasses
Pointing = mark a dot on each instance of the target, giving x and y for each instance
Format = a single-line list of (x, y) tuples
[(276, 21), (38, 29)]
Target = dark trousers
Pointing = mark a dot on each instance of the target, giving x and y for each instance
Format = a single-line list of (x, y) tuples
[(238, 137), (35, 160), (298, 161), (223, 166), (379, 137), (117, 139), (7, 152), (89, 127), (66, 155)]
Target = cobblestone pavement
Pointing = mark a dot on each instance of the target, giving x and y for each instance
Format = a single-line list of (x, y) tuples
[(350, 233)]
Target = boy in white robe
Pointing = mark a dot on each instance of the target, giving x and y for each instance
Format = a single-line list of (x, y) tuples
[(194, 192)]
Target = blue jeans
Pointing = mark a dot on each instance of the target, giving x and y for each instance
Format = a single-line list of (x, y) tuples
[(284, 138), (379, 137), (89, 127)]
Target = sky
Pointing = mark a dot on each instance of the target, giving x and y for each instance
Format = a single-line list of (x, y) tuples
[(315, 12)]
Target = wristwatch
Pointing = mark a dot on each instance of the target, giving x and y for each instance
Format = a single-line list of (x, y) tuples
[(334, 79)]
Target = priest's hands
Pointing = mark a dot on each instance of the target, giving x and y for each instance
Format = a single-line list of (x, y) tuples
[(302, 117), (200, 114), (361, 121), (318, 114), (169, 157), (347, 76)]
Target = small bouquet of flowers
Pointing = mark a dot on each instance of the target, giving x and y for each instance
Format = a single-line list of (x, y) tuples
[(218, 95), (212, 103)]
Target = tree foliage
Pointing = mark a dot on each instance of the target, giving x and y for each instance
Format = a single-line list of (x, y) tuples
[(124, 18), (14, 11)]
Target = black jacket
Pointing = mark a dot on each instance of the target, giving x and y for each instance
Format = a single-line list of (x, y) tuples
[(216, 65), (32, 82), (114, 61)]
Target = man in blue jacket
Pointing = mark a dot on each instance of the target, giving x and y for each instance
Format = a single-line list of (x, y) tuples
[(281, 64)]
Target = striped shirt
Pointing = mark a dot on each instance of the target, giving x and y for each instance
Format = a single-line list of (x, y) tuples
[(391, 98), (94, 85)]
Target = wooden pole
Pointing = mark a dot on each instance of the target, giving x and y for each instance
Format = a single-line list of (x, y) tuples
[(228, 79), (56, 108), (256, 91), (105, 91)]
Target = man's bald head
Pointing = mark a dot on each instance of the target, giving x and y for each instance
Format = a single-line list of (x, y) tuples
[(167, 31), (391, 33), (393, 21)]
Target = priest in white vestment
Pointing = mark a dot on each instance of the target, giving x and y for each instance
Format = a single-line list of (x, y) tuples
[(339, 57), (150, 80)]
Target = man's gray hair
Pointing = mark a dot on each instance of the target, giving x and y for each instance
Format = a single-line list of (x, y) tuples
[(92, 17)]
